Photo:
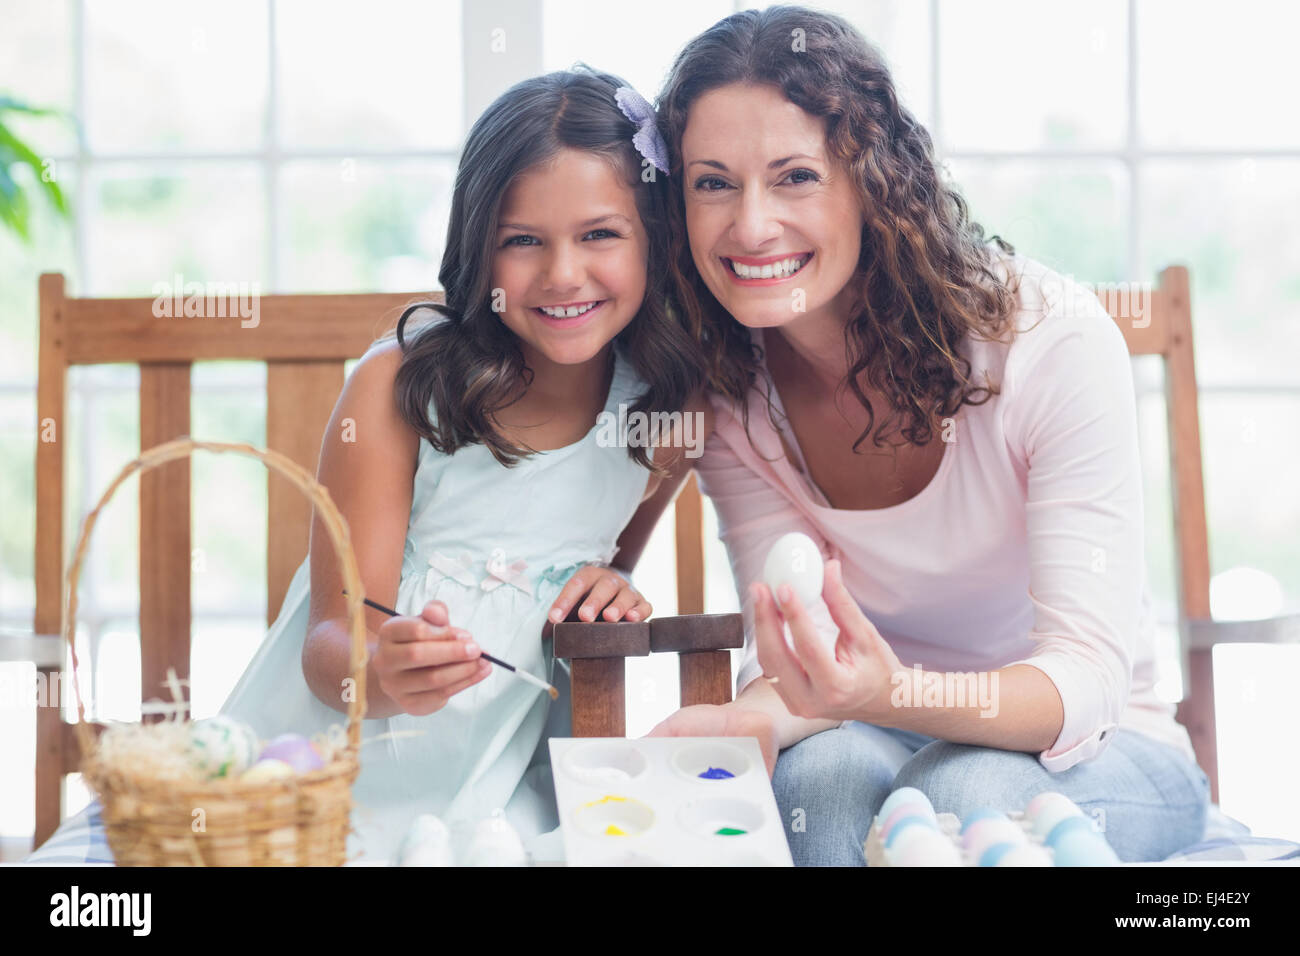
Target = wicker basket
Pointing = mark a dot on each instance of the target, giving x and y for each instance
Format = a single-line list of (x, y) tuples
[(300, 821)]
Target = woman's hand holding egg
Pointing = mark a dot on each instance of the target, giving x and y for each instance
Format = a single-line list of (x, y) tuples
[(422, 662), (851, 680)]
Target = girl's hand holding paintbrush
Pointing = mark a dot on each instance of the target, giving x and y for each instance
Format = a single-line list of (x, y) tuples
[(422, 662)]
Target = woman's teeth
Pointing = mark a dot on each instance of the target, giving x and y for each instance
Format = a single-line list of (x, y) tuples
[(568, 312), (772, 270)]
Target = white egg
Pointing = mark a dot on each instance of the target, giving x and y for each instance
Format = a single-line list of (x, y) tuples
[(222, 746), (264, 771), (795, 560), (496, 843), (427, 843)]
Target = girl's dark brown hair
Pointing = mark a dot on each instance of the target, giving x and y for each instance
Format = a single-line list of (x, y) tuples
[(467, 364), (924, 279)]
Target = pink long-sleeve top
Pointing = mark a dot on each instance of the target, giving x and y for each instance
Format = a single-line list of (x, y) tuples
[(1026, 546)]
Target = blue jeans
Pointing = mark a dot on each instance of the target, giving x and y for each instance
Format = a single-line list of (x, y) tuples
[(1150, 799)]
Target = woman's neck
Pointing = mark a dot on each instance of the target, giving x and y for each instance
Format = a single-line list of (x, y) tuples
[(815, 344)]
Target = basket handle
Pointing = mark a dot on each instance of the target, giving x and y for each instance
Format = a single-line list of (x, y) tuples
[(334, 522)]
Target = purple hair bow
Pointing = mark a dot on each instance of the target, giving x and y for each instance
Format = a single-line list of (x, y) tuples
[(647, 140)]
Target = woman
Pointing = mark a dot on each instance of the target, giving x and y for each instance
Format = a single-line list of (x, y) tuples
[(849, 305)]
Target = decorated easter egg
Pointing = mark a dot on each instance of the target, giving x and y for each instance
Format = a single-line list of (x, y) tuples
[(902, 825), (296, 751), (496, 843), (1052, 814), (983, 813), (1027, 854), (222, 746), (934, 849), (903, 811), (264, 771), (994, 854), (1068, 825), (901, 837), (795, 560), (427, 843), (1084, 848), (984, 833), (904, 795), (1045, 799)]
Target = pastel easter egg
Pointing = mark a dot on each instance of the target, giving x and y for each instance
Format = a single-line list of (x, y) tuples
[(993, 855), (1052, 814), (984, 833), (222, 746), (265, 771), (933, 850), (901, 837), (1027, 854), (983, 813), (1068, 825), (904, 795), (1084, 848), (296, 751), (902, 825), (795, 560), (903, 811), (1045, 799)]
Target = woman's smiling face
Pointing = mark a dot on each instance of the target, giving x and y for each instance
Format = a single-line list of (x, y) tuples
[(775, 225)]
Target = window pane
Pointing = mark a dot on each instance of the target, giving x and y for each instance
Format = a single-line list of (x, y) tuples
[(36, 50), (363, 225), (1070, 216), (638, 48), (1233, 224), (228, 563), (900, 29), (380, 75), (219, 655), (102, 434), (1210, 80), (145, 224), (176, 76), (1020, 74), (21, 265), (1254, 520), (18, 436)]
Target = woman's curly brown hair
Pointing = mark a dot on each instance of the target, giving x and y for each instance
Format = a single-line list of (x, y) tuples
[(924, 279)]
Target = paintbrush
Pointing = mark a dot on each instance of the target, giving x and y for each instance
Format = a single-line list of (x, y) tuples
[(523, 675)]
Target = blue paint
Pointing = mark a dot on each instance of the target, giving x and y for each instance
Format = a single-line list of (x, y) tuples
[(716, 773)]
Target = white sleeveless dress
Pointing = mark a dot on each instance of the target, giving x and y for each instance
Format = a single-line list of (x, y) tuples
[(496, 545)]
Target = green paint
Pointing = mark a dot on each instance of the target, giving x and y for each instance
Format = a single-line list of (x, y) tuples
[(729, 831)]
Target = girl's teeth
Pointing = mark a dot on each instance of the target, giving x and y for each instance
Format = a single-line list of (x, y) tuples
[(780, 269), (572, 312)]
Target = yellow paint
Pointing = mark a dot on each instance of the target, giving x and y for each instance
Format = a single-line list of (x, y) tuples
[(606, 799), (612, 830)]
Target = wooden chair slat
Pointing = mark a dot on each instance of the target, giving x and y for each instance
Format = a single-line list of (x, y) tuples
[(165, 547), (288, 327), (300, 397), (688, 513)]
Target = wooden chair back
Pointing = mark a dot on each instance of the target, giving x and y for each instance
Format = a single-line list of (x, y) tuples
[(304, 341)]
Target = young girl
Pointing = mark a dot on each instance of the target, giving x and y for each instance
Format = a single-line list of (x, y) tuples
[(464, 456)]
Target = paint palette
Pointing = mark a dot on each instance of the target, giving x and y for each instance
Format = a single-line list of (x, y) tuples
[(666, 801)]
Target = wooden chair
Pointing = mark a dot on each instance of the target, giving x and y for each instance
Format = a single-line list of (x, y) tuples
[(1159, 322), (304, 341)]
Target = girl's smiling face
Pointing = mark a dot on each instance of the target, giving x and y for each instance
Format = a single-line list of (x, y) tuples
[(775, 225), (570, 258)]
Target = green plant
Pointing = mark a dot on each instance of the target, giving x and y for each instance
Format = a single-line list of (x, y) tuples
[(15, 206)]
